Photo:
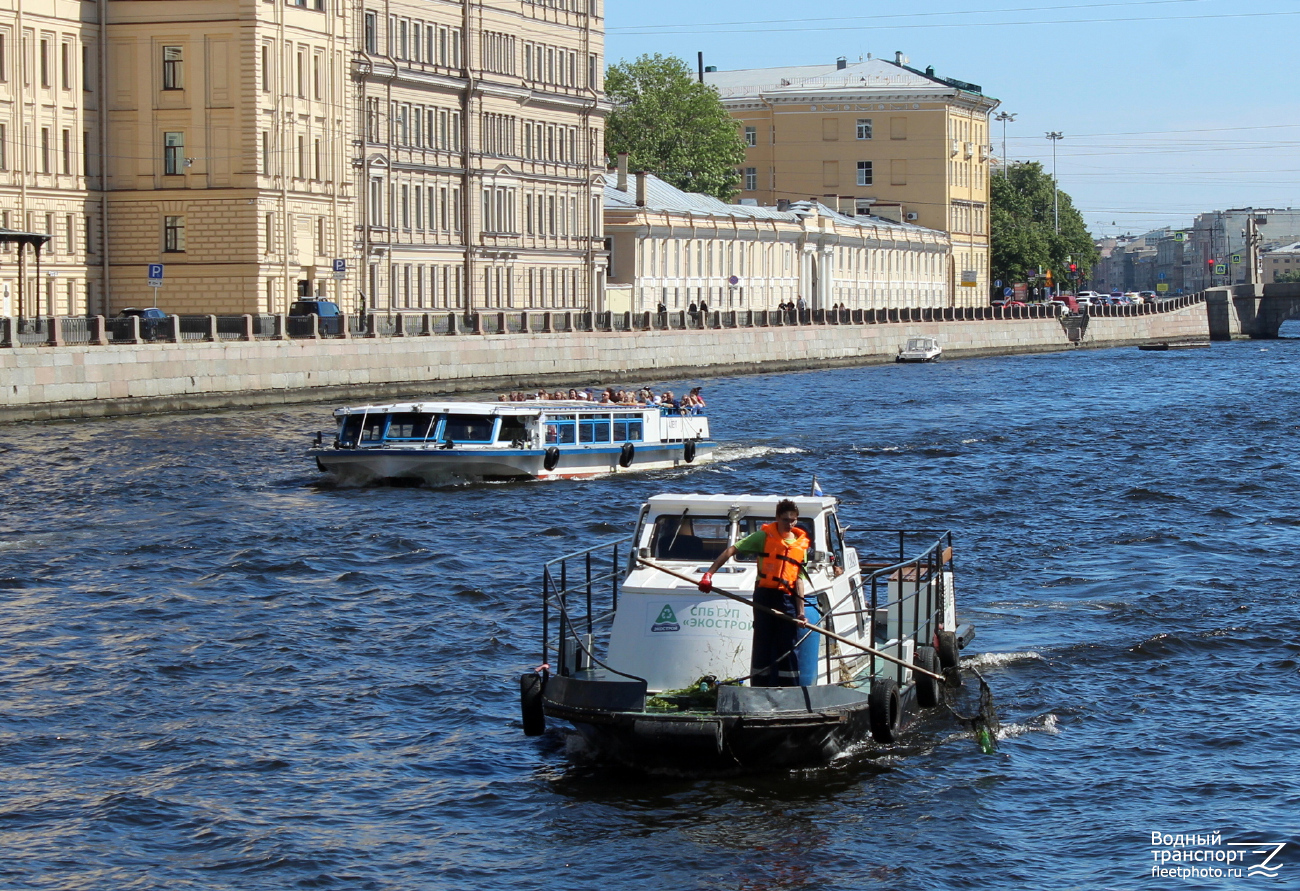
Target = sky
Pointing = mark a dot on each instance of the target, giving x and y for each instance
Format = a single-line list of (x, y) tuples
[(1167, 108)]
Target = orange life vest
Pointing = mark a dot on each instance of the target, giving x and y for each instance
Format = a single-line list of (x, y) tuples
[(780, 563)]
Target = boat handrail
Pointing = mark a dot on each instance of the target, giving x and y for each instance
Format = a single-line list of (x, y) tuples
[(556, 590)]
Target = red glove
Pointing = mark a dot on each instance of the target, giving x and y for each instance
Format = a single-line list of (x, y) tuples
[(706, 582)]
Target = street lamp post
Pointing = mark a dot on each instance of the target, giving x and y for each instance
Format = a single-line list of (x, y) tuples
[(1056, 198), (1004, 117)]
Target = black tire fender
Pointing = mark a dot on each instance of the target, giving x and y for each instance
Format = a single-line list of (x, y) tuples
[(885, 708), (949, 652), (928, 691), (531, 686), (626, 454), (320, 466), (552, 458), (688, 453)]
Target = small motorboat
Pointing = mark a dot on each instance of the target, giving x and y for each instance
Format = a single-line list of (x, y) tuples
[(436, 442), (1161, 346), (653, 673), (919, 349)]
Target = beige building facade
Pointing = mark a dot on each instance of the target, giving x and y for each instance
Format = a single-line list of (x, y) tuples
[(873, 137), (675, 249), (446, 155)]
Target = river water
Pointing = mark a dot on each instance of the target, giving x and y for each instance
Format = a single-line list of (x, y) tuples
[(216, 672)]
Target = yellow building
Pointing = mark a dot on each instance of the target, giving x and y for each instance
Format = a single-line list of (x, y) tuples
[(446, 155), (874, 137)]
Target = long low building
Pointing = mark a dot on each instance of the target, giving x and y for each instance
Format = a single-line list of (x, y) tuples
[(679, 248)]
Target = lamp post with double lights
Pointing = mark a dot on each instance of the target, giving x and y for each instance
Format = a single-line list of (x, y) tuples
[(1004, 117)]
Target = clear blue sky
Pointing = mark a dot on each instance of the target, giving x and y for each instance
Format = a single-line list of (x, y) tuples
[(1168, 107)]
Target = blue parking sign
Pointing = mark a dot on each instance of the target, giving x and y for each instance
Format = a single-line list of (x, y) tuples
[(340, 265), (156, 271)]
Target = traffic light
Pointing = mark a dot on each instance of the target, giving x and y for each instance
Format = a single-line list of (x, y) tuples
[(1074, 267)]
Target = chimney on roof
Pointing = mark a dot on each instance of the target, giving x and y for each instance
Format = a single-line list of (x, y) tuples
[(841, 63), (899, 58), (640, 188), (929, 71), (783, 204), (622, 171)]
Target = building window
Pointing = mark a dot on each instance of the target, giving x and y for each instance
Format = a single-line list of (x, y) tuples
[(4, 68), (372, 34), (173, 153), (266, 153), (751, 179), (67, 151), (751, 136), (173, 235), (172, 73), (4, 147), (864, 128), (317, 160), (317, 63), (65, 66), (864, 173), (45, 150), (45, 63)]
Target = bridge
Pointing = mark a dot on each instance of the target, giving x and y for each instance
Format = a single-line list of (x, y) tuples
[(1255, 311)]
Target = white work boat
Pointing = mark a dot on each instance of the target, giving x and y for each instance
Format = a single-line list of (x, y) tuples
[(654, 673), (919, 349), (437, 442)]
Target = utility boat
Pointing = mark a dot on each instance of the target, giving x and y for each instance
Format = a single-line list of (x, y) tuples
[(448, 441), (919, 349), (653, 673)]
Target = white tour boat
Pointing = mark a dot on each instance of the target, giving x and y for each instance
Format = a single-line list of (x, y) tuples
[(653, 673), (919, 349), (440, 441)]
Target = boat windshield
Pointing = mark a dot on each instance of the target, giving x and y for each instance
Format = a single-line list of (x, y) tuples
[(468, 428), (678, 537), (361, 430), (919, 343)]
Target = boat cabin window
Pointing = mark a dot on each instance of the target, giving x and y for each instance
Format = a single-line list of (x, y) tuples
[(689, 538), (561, 430), (359, 430), (512, 429), (836, 538), (593, 428), (410, 425), (468, 428), (750, 525), (628, 429)]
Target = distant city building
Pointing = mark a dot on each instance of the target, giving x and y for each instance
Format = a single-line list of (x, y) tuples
[(872, 137), (1284, 258), (1217, 241), (679, 248), (450, 155)]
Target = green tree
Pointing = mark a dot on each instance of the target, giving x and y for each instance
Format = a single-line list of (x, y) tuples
[(1023, 231), (1284, 277), (673, 126)]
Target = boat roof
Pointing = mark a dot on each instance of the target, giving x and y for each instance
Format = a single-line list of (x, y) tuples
[(531, 407), (719, 504)]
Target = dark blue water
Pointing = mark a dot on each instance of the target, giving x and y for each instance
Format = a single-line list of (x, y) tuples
[(217, 673)]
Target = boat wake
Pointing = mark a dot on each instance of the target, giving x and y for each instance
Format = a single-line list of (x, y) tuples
[(997, 660), (1044, 723), (746, 453)]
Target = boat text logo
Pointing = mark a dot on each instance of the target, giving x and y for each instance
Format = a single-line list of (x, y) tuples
[(1206, 855), (667, 620)]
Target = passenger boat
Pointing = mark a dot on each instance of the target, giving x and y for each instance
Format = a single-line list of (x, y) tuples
[(919, 349), (652, 672), (443, 441)]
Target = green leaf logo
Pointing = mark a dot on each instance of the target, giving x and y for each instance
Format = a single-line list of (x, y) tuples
[(666, 614)]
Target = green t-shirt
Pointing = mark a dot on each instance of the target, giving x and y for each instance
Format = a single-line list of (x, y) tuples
[(755, 542)]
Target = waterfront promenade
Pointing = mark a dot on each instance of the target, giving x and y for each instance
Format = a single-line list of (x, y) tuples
[(207, 362)]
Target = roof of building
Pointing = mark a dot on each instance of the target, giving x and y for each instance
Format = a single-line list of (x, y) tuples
[(1292, 248), (663, 197), (868, 74)]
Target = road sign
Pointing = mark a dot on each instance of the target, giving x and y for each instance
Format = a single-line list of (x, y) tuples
[(1236, 258), (1180, 236), (1160, 275), (339, 264), (1220, 268), (1162, 287), (1007, 292), (969, 278), (155, 275), (733, 280), (998, 283)]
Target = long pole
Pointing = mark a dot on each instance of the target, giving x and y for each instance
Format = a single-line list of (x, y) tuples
[(780, 615), (1004, 117), (1056, 192)]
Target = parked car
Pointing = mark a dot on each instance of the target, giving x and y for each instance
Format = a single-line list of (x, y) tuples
[(153, 321), (331, 318), (1147, 296)]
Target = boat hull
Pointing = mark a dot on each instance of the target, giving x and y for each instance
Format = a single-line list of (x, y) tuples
[(431, 465), (753, 729)]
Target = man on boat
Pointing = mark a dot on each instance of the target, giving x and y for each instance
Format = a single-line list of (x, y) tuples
[(782, 548)]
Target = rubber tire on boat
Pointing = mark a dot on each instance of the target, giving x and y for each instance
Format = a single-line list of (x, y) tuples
[(689, 452), (530, 703), (949, 652), (552, 458), (626, 455), (320, 466), (928, 691), (885, 708)]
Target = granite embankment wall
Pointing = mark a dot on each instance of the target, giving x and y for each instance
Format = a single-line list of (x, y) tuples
[(40, 383)]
